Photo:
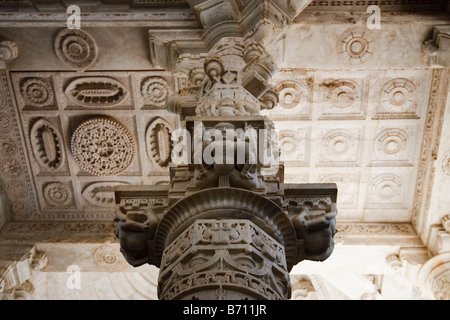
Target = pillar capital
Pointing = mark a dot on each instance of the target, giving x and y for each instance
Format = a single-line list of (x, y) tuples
[(8, 52)]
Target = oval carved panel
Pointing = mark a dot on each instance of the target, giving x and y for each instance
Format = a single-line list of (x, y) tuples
[(46, 145), (159, 143), (101, 194), (96, 92)]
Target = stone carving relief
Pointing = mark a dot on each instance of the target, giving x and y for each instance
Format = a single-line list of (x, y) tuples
[(394, 146), (103, 147), (294, 95), (107, 258), (11, 168), (294, 146), (8, 52), (441, 286), (155, 90), (97, 92), (58, 195), (5, 123), (75, 48), (445, 163), (348, 186), (234, 258), (37, 93), (8, 146), (340, 146), (46, 143), (158, 143), (343, 98), (355, 46), (101, 194), (398, 98), (386, 191)]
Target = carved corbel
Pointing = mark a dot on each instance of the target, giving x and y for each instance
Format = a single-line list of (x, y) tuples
[(437, 48), (8, 52), (17, 265)]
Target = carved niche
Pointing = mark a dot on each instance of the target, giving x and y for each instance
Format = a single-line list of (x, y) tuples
[(103, 147)]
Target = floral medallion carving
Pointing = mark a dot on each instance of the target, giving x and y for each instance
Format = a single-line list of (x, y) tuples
[(5, 123), (20, 209), (108, 258), (8, 146), (103, 147), (96, 92), (289, 94), (75, 48), (155, 91), (57, 194), (46, 144), (37, 92), (441, 286), (11, 168), (355, 46), (16, 189)]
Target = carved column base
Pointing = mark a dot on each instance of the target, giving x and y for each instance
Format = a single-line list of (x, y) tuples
[(228, 259)]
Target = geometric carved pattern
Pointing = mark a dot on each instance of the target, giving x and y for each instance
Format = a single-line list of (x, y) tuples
[(103, 147), (75, 48), (355, 46)]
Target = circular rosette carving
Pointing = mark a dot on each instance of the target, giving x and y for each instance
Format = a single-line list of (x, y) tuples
[(8, 147), (343, 93), (233, 203), (108, 258), (391, 141), (57, 194), (11, 168), (37, 92), (398, 95), (155, 91), (289, 94), (75, 48), (46, 145), (103, 147), (355, 46)]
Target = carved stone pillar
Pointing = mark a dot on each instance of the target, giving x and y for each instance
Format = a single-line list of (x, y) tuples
[(227, 227), (17, 263)]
